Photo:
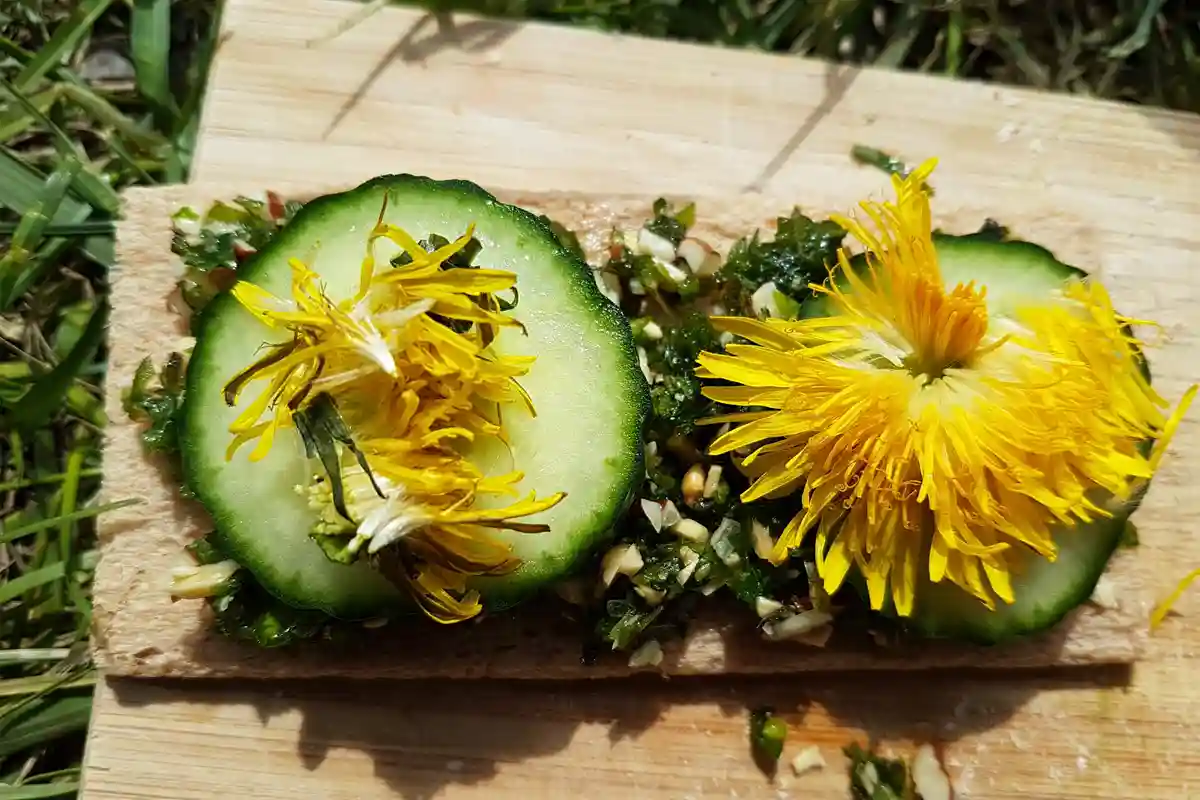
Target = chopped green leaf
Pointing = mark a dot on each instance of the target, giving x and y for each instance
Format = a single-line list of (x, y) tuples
[(873, 777), (800, 254), (767, 735), (157, 401)]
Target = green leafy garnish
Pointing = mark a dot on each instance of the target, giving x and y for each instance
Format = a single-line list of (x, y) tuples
[(671, 225), (799, 255), (246, 611), (156, 399), (322, 429), (224, 237), (676, 399), (767, 735), (873, 777)]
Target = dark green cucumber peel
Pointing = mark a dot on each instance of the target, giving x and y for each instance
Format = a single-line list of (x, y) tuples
[(372, 595)]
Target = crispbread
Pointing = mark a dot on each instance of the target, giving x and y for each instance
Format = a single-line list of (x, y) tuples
[(139, 631)]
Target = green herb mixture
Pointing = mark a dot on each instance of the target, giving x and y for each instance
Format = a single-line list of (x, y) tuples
[(687, 537)]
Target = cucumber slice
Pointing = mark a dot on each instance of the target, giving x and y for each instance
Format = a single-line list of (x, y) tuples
[(1045, 591), (590, 395), (1013, 272)]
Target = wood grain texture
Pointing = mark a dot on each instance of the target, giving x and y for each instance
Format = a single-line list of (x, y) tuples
[(530, 108), (140, 631)]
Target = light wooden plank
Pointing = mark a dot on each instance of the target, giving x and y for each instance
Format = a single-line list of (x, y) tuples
[(542, 108)]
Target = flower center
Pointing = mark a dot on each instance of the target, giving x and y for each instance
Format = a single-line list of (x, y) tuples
[(944, 329)]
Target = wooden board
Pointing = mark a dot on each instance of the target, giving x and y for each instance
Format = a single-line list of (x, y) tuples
[(533, 108)]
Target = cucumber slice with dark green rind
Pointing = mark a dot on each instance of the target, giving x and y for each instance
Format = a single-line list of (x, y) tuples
[(591, 397), (1013, 271), (1029, 270)]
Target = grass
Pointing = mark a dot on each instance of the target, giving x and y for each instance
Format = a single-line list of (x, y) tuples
[(97, 95)]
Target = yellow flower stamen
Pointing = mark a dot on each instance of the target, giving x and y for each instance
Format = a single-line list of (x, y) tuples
[(926, 436), (409, 365)]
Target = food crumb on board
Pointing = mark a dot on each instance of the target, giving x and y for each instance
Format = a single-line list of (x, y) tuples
[(807, 760), (928, 775)]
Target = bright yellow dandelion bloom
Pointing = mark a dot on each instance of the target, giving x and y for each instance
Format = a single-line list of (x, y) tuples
[(927, 437), (409, 365)]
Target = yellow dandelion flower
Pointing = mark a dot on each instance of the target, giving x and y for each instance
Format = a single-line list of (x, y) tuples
[(408, 365), (926, 436)]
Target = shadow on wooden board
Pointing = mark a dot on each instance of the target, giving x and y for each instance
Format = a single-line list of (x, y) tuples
[(426, 37), (425, 735)]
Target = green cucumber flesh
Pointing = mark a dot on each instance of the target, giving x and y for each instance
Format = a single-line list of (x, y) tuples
[(1014, 272), (589, 392), (1045, 591)]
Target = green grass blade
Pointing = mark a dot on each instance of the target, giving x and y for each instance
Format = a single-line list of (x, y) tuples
[(150, 43), (1141, 34), (38, 405), (106, 113), (21, 189), (42, 480), (892, 56), (92, 227), (67, 525), (51, 718), (12, 534), (31, 655), (179, 159), (15, 120), (62, 43), (28, 581), (89, 184), (31, 230), (954, 43), (40, 791)]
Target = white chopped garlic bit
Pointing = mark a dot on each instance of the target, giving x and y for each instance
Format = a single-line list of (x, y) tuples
[(623, 559), (671, 515), (793, 626), (652, 596), (678, 275), (636, 287), (868, 776), (722, 545), (693, 484), (762, 302), (712, 586), (608, 284), (761, 540), (929, 778), (713, 481), (691, 559), (651, 330), (1105, 594), (202, 580), (699, 256), (807, 760), (650, 243), (654, 512), (766, 607), (644, 363), (649, 654), (690, 530)]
